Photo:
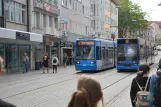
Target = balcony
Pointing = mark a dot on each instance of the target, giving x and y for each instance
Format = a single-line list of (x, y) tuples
[(51, 31), (2, 22), (51, 8)]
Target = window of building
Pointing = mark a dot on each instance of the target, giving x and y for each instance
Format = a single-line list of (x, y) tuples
[(75, 6), (14, 11), (63, 2), (44, 20), (86, 29), (66, 4), (51, 1), (0, 7), (56, 23), (50, 21), (70, 4), (37, 19), (83, 10), (7, 10)]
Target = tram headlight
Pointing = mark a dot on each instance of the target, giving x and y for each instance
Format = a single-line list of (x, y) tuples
[(92, 62), (77, 62), (134, 62), (119, 62)]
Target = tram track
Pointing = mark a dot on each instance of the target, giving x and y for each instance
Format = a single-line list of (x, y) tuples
[(71, 90), (38, 78), (117, 96), (104, 88), (75, 76), (103, 75)]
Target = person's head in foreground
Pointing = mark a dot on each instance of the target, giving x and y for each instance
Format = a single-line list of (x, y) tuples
[(88, 93)]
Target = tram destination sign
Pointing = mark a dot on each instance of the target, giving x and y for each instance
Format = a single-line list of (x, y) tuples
[(22, 36)]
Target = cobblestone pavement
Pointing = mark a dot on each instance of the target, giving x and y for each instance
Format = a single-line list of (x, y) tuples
[(36, 89)]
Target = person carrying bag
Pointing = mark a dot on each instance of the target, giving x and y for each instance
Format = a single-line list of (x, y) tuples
[(142, 99)]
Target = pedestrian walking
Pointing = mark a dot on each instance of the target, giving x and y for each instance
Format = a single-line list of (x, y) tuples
[(155, 88), (25, 63), (88, 93), (140, 87), (55, 63), (2, 68), (46, 63), (65, 59)]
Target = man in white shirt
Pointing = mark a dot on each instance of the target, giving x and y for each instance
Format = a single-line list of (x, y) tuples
[(55, 63)]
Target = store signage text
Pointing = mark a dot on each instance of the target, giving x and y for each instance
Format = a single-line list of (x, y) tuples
[(22, 36)]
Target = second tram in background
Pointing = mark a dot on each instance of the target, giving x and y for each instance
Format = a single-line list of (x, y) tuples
[(134, 52), (93, 54)]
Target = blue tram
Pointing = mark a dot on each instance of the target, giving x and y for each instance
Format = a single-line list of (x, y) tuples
[(93, 54), (133, 52)]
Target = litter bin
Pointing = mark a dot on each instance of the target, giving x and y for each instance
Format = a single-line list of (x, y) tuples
[(37, 65)]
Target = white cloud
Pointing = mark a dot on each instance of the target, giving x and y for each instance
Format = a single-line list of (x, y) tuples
[(151, 7)]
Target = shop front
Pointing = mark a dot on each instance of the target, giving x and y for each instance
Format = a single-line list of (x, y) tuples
[(13, 44), (67, 45), (52, 46)]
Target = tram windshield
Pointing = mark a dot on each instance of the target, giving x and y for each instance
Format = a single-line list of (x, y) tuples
[(127, 52), (85, 50)]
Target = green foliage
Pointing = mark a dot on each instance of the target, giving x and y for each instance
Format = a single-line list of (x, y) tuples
[(129, 12)]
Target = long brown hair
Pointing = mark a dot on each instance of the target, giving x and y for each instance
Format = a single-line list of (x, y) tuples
[(80, 98), (93, 87), (88, 93)]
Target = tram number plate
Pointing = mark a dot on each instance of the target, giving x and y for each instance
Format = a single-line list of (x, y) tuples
[(84, 65)]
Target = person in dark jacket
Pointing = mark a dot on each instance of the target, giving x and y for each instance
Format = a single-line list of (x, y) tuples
[(5, 104), (141, 78)]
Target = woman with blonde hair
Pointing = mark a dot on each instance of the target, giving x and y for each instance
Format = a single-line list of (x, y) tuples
[(88, 93)]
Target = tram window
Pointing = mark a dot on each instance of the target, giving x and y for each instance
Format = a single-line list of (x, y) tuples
[(106, 53), (98, 53), (103, 52)]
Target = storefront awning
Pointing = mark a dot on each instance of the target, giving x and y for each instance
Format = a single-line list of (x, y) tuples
[(21, 36)]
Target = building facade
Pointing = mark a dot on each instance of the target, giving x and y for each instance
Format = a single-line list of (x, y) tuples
[(114, 17), (105, 18), (98, 17), (15, 38), (75, 22), (43, 18)]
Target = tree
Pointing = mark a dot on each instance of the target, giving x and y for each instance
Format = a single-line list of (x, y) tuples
[(129, 12)]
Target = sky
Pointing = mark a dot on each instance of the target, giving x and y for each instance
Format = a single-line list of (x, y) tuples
[(151, 7)]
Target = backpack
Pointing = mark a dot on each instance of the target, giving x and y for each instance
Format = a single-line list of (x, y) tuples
[(54, 60), (157, 92), (142, 96)]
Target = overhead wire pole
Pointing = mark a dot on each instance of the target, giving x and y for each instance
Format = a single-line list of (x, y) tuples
[(113, 34)]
